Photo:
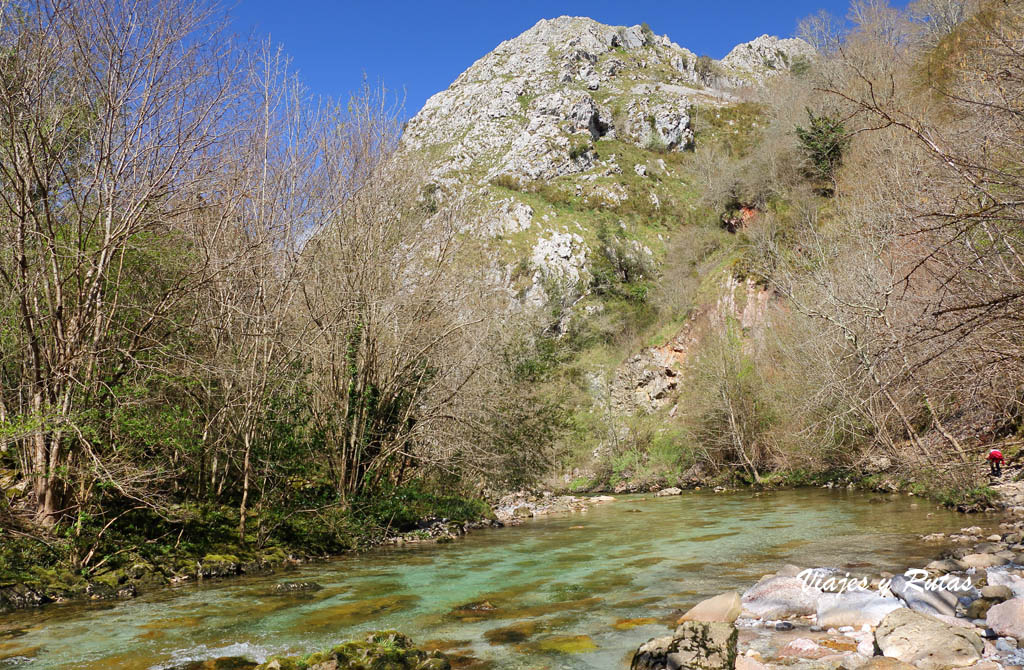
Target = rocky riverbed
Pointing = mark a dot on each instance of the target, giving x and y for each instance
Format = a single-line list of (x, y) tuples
[(963, 610)]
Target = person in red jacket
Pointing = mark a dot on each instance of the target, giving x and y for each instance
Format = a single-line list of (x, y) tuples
[(995, 461)]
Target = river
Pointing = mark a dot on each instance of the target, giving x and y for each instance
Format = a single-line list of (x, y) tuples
[(575, 592)]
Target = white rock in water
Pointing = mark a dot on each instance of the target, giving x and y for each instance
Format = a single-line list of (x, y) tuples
[(779, 598)]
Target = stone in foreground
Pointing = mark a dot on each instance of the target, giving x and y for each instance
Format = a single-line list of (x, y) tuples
[(723, 608), (941, 601), (926, 642), (1007, 618), (696, 645), (705, 645)]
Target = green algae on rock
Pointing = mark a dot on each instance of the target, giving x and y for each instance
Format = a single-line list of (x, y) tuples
[(382, 650), (566, 644)]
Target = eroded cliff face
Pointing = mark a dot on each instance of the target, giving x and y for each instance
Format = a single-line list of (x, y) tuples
[(571, 141)]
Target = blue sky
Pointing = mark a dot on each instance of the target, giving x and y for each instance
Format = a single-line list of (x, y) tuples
[(419, 47)]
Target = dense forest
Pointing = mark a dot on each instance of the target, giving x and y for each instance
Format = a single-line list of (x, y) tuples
[(234, 314)]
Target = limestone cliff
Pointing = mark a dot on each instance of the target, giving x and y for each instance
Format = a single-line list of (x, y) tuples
[(572, 140)]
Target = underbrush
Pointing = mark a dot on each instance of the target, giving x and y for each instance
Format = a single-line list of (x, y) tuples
[(142, 545)]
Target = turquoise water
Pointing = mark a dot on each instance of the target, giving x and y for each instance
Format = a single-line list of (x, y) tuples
[(576, 591)]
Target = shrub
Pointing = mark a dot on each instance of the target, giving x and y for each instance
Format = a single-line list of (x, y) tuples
[(705, 68), (508, 181), (579, 148), (822, 142)]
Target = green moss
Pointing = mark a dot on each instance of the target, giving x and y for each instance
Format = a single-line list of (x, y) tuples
[(566, 644), (381, 650)]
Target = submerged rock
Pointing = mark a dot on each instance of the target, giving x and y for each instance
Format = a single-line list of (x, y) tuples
[(927, 642), (292, 587), (802, 647), (224, 663), (383, 649), (566, 644)]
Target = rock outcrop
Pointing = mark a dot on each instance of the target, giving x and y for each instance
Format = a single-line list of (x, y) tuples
[(517, 110), (767, 55), (532, 112)]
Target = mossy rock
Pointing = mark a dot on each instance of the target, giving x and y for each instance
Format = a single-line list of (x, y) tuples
[(274, 555), (381, 650), (218, 565), (225, 663)]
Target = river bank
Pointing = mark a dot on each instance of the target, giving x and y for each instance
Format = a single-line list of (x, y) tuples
[(148, 552), (42, 584)]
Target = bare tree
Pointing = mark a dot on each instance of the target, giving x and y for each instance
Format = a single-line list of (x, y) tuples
[(110, 113)]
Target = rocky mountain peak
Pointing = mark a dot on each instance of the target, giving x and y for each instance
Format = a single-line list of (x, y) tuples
[(568, 121), (531, 108), (768, 53)]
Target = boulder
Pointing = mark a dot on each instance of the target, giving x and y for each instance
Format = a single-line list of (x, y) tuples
[(945, 565), (998, 592), (779, 598), (671, 491), (789, 570), (983, 561), (653, 654), (928, 643), (696, 645), (920, 599), (856, 609), (704, 646), (724, 608), (1007, 579), (802, 647), (979, 608), (1007, 619), (20, 596), (749, 663)]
